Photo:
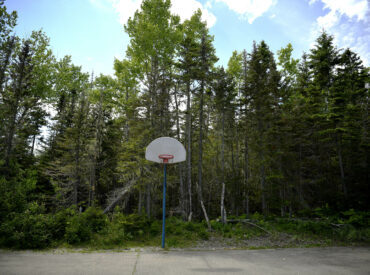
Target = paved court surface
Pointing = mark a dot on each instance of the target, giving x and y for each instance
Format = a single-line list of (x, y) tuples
[(334, 260)]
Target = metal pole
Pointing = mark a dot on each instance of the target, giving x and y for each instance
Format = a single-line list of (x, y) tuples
[(164, 207)]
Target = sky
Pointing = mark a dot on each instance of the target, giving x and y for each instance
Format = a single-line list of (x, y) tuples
[(92, 32)]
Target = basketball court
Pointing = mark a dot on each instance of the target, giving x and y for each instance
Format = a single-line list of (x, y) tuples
[(333, 260)]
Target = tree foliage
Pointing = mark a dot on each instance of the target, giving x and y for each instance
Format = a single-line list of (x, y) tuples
[(270, 135)]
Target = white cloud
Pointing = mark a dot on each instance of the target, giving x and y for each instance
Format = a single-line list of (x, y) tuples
[(329, 20), (249, 9), (362, 46), (125, 8), (208, 5), (185, 9), (347, 21), (351, 8), (348, 35)]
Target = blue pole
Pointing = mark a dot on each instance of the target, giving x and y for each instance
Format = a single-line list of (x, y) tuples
[(164, 207)]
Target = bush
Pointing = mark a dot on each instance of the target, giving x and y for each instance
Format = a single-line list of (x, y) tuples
[(114, 235), (31, 229), (190, 226), (356, 218), (317, 228), (76, 230), (14, 193), (81, 226), (133, 224), (60, 221), (155, 227), (203, 234)]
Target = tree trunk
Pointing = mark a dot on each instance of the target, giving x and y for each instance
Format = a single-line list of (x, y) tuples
[(300, 176), (9, 141), (200, 160), (247, 205), (246, 173), (262, 165), (33, 143), (246, 147), (282, 206), (12, 126), (97, 149), (77, 180), (78, 150), (139, 202), (339, 151), (148, 200), (188, 160), (262, 174), (127, 130), (181, 189), (223, 217)]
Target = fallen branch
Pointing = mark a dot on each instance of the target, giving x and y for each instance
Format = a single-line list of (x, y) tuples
[(247, 221), (339, 225), (239, 220), (268, 232), (126, 189)]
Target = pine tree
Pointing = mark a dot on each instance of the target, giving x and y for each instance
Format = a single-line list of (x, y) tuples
[(346, 115), (263, 83), (323, 60), (27, 88)]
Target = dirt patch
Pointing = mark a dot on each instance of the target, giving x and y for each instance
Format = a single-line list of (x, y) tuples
[(265, 241)]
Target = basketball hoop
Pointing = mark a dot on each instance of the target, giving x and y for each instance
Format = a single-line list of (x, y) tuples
[(165, 157), (165, 150)]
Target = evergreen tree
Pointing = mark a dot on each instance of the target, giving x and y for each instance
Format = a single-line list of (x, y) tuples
[(263, 84), (345, 112)]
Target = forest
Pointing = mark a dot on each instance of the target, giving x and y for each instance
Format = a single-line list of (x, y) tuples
[(269, 134)]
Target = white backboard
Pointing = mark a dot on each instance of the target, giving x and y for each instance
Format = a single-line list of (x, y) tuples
[(165, 145)]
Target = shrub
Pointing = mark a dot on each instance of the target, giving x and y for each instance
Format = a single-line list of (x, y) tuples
[(95, 219), (30, 229), (356, 218), (203, 234), (132, 224), (60, 221), (81, 226), (113, 235), (155, 227), (190, 226), (14, 192)]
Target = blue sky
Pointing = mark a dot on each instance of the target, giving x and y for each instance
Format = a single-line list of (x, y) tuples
[(91, 31)]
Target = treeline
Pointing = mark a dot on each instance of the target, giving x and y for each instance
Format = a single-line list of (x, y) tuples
[(269, 135)]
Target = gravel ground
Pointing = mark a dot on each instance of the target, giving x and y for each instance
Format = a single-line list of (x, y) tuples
[(267, 241)]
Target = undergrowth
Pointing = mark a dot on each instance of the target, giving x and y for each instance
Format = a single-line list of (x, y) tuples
[(36, 229)]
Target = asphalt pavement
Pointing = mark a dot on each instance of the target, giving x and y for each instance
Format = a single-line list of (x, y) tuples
[(333, 260)]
